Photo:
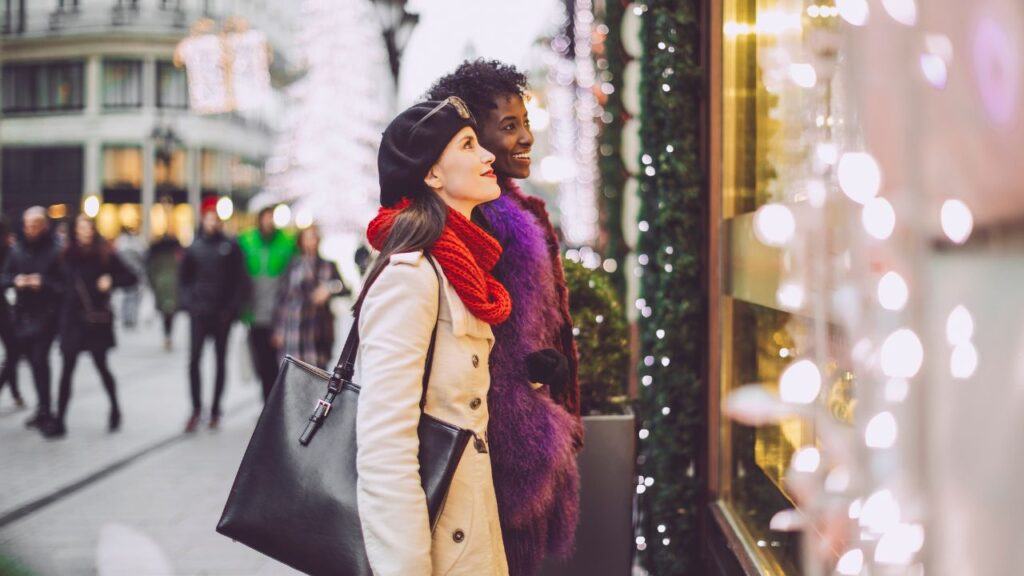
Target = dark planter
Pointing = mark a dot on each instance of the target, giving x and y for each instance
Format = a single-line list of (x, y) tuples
[(604, 539)]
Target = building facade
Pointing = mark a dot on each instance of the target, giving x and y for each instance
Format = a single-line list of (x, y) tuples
[(93, 104)]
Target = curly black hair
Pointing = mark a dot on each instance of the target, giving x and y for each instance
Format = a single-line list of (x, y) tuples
[(479, 82)]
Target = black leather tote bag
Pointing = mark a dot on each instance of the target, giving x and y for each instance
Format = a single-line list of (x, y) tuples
[(294, 497)]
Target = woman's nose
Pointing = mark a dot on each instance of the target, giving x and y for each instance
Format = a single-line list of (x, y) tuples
[(485, 156), (526, 137)]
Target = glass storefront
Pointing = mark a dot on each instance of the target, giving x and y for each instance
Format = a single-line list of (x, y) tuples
[(763, 320)]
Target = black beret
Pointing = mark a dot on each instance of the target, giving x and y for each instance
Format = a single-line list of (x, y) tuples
[(413, 142)]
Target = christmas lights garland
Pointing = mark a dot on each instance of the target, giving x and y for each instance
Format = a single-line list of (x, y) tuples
[(671, 252)]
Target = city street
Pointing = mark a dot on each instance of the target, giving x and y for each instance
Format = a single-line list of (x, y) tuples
[(143, 501)]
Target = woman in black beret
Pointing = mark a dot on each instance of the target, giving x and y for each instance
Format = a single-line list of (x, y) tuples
[(433, 174)]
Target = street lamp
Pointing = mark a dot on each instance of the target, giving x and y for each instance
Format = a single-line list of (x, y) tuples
[(397, 26)]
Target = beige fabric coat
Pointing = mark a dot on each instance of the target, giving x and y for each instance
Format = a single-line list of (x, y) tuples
[(395, 324)]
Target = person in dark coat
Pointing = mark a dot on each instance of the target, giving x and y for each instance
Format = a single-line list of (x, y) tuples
[(162, 262), (91, 269), (9, 372), (33, 270), (303, 321), (213, 283)]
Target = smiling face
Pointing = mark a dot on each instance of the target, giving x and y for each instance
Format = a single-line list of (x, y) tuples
[(463, 175), (506, 132)]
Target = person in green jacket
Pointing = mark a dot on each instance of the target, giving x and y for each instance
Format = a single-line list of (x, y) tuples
[(268, 251)]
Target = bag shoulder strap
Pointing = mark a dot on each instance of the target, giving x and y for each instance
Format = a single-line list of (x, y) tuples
[(345, 367)]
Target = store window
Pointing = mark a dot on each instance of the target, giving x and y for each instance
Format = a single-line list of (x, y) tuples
[(122, 174), (170, 172), (210, 173), (122, 84), (43, 87), (764, 325), (171, 86)]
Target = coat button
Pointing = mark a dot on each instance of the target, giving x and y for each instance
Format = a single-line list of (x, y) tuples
[(459, 536), (475, 403), (476, 361)]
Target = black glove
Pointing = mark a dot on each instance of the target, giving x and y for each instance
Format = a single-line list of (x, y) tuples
[(549, 366)]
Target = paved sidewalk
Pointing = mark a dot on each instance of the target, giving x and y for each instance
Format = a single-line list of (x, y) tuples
[(95, 502)]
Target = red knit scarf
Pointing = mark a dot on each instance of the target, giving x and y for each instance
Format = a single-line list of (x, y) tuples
[(467, 255)]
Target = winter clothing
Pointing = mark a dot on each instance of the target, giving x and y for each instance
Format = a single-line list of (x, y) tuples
[(35, 310), (395, 323), (413, 142), (265, 260), (534, 433), (9, 373), (82, 297), (305, 328), (131, 248), (81, 272), (467, 254), (162, 261), (212, 279)]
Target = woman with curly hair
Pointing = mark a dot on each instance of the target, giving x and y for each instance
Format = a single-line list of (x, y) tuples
[(535, 429)]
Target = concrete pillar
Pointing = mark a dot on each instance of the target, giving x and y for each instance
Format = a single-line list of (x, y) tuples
[(93, 85), (92, 182), (194, 184), (148, 183), (149, 83)]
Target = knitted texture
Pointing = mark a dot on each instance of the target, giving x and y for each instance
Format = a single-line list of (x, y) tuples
[(533, 437), (466, 253)]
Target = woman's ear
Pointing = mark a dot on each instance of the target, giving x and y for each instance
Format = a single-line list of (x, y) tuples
[(432, 180)]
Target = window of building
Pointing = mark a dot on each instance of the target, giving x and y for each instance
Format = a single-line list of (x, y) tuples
[(41, 177), (122, 174), (171, 86), (43, 87), (122, 84), (210, 174), (13, 16)]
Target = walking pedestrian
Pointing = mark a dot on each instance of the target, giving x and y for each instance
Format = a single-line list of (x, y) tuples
[(433, 173), (131, 249), (212, 279), (33, 270), (92, 269), (162, 261), (268, 250), (535, 430), (303, 321), (9, 372)]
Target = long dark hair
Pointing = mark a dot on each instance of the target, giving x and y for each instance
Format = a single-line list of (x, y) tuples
[(417, 227), (73, 251)]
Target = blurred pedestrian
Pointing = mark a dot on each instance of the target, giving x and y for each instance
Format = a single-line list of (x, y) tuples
[(92, 269), (9, 372), (131, 249), (362, 258), (304, 322), (212, 281), (268, 250), (162, 261), (33, 270)]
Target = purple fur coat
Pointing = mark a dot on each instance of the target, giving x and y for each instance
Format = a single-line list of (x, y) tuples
[(533, 438)]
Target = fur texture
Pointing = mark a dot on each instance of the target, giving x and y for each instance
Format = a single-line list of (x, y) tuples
[(534, 439)]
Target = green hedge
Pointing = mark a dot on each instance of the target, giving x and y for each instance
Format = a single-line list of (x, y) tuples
[(601, 337), (673, 206)]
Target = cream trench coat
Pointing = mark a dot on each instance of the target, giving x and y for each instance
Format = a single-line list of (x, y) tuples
[(395, 324)]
